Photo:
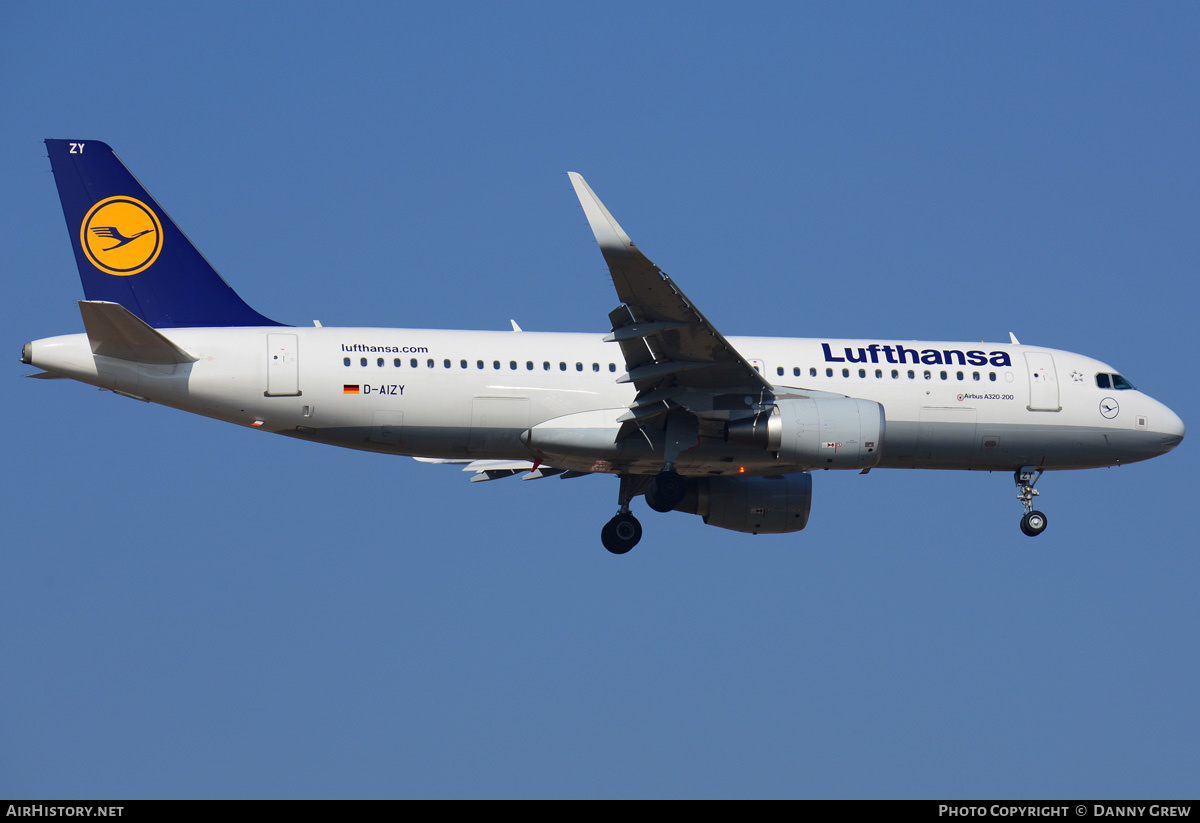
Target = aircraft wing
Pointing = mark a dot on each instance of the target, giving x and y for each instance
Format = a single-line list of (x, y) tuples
[(485, 470), (673, 355)]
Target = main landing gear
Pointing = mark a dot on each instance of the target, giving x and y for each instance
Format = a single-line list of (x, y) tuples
[(1034, 522), (667, 491), (623, 532)]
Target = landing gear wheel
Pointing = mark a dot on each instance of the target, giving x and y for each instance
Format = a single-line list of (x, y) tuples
[(652, 502), (667, 492), (621, 534), (1033, 523)]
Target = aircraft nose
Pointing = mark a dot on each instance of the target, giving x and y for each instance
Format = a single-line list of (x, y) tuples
[(1168, 424)]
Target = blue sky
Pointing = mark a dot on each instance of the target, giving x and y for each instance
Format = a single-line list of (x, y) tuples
[(196, 610)]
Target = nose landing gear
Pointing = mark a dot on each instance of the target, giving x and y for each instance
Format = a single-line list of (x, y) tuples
[(1034, 522)]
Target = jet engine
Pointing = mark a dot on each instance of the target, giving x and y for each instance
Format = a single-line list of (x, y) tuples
[(818, 433), (757, 505)]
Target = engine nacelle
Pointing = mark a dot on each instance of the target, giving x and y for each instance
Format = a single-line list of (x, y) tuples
[(757, 505), (818, 433)]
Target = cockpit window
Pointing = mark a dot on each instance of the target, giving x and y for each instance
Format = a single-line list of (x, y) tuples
[(1114, 381)]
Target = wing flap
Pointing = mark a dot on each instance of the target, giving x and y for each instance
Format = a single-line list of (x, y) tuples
[(485, 470)]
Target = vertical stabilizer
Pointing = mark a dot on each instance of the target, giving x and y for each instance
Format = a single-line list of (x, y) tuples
[(129, 250)]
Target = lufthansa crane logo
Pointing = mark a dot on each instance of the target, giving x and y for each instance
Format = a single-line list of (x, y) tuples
[(121, 236)]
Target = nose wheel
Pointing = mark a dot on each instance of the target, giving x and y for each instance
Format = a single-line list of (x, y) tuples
[(1034, 522)]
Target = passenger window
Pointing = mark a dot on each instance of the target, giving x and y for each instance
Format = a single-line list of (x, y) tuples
[(960, 375), (562, 366), (462, 363), (943, 375), (895, 373), (779, 370), (929, 374), (578, 367), (429, 363), (495, 364), (379, 362), (828, 372), (528, 365), (612, 367), (413, 363), (479, 364), (446, 363), (345, 361), (595, 367), (512, 364), (992, 376), (396, 363), (796, 371), (878, 373), (546, 366), (362, 361), (845, 372), (975, 376), (912, 375), (812, 371), (862, 372)]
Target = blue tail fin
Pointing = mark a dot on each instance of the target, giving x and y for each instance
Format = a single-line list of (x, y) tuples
[(129, 250)]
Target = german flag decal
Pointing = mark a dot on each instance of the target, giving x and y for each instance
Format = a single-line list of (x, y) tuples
[(349, 389)]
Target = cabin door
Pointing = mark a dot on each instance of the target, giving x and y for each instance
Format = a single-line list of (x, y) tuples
[(1043, 382), (283, 365)]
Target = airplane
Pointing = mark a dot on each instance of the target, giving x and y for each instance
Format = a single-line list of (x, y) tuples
[(727, 428)]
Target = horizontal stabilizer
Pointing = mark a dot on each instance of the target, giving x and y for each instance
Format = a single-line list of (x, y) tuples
[(115, 332)]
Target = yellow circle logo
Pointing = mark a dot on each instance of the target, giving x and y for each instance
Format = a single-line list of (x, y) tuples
[(121, 236)]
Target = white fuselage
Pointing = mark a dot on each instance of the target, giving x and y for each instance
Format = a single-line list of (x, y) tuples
[(472, 394)]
